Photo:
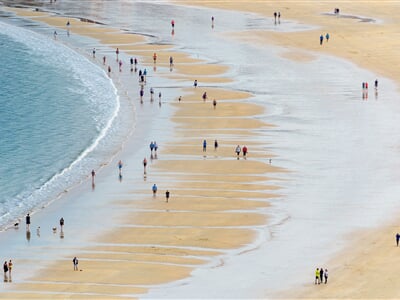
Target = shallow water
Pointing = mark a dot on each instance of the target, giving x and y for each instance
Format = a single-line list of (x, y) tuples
[(55, 107), (338, 146)]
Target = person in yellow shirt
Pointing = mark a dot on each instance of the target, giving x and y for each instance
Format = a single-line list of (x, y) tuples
[(317, 276)]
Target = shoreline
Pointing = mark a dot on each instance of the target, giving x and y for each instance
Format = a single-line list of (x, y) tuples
[(220, 237)]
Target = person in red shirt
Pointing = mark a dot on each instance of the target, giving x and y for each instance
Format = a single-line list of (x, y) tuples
[(244, 149)]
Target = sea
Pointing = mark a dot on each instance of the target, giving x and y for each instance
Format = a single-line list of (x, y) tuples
[(339, 144), (57, 109)]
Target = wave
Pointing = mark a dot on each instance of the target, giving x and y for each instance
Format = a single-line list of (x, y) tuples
[(101, 106)]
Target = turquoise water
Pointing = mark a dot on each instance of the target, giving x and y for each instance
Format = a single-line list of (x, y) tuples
[(56, 107)]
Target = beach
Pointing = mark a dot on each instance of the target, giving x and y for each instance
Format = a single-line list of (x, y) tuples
[(233, 226)]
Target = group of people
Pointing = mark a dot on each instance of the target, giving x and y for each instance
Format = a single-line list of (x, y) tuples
[(321, 276), (364, 85), (365, 89), (238, 149), (7, 268)]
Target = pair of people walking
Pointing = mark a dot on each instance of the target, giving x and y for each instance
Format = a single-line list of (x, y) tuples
[(238, 150), (321, 276), (153, 147)]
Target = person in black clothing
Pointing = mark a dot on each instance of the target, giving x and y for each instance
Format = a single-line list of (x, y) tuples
[(167, 195), (62, 223), (28, 222), (321, 275)]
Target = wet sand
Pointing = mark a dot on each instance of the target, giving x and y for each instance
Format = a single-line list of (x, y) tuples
[(218, 202), (364, 33)]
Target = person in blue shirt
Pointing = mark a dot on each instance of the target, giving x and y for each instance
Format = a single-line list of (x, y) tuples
[(154, 188)]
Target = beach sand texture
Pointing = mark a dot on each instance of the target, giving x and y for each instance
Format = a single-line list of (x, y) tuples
[(216, 201), (364, 32)]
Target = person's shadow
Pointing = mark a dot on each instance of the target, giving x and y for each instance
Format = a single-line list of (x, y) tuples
[(28, 235)]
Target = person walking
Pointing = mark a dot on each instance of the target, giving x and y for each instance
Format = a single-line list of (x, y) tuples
[(204, 145), (321, 39), (167, 195), (154, 189), (316, 276), (120, 167), (62, 223), (155, 57), (93, 175), (117, 53), (205, 96), (326, 276), (215, 145), (397, 239), (75, 262), (215, 103), (10, 266), (94, 52), (376, 84), (238, 150), (28, 222), (5, 268), (144, 164), (141, 93), (195, 83), (155, 147), (244, 149), (327, 37), (321, 275), (151, 94), (151, 147)]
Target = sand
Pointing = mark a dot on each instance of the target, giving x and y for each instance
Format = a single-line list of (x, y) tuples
[(206, 187), (217, 201), (365, 33)]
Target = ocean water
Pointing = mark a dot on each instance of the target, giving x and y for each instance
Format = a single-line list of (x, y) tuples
[(56, 109)]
